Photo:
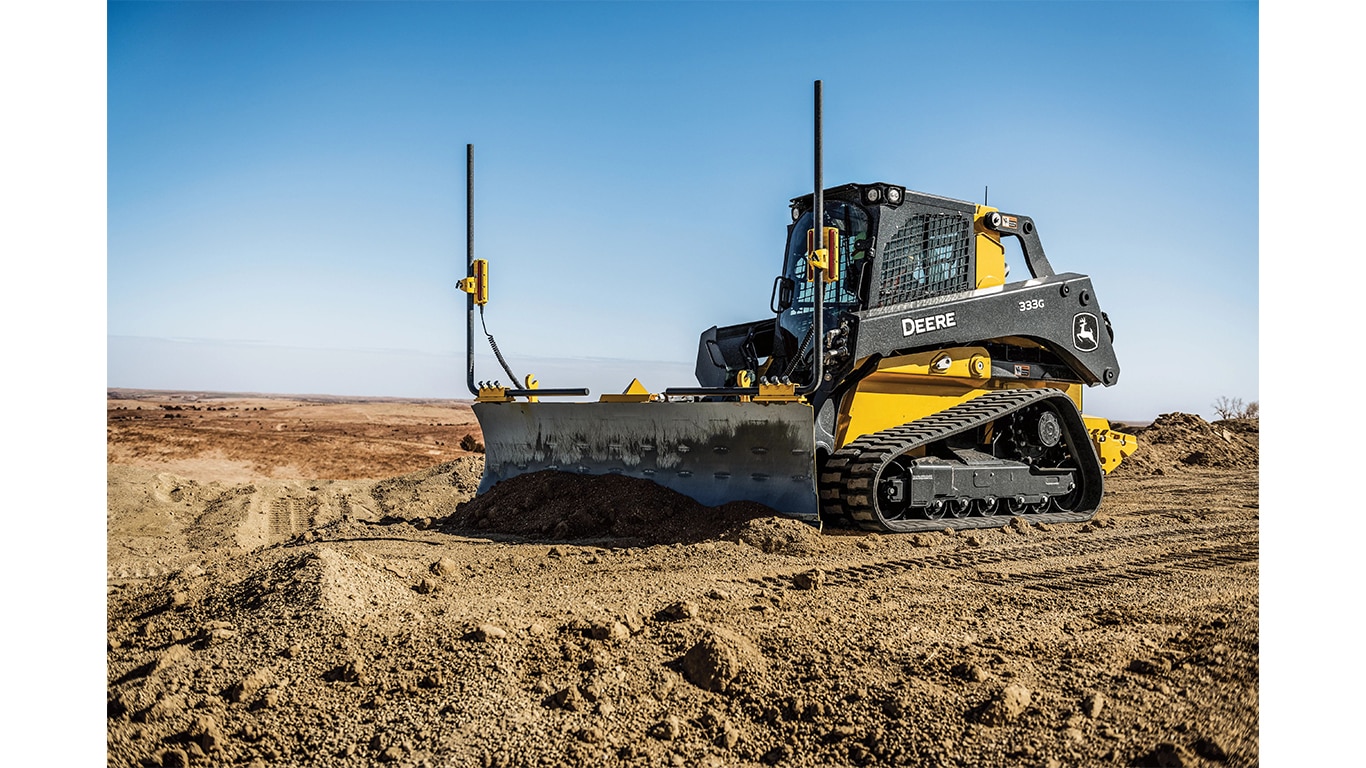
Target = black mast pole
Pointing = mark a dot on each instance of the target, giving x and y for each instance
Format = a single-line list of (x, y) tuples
[(469, 267), (818, 224)]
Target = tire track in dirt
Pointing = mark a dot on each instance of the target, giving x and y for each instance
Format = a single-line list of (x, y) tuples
[(292, 514), (1097, 575), (1233, 552)]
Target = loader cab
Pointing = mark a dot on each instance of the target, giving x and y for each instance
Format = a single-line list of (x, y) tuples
[(896, 247)]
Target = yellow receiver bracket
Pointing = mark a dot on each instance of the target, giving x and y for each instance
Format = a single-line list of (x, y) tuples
[(532, 383), (477, 284), (826, 258), (635, 393)]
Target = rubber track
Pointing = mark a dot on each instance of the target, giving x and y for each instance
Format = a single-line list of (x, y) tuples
[(846, 483)]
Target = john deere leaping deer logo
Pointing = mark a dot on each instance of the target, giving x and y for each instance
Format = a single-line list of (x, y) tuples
[(1084, 332)]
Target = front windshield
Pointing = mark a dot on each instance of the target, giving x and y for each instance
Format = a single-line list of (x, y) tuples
[(852, 224), (855, 246)]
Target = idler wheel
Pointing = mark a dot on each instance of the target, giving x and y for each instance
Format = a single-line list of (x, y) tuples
[(890, 505)]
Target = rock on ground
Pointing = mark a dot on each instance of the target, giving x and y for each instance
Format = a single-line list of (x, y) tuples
[(719, 659)]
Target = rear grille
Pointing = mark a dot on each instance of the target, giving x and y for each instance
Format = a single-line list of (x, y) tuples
[(928, 256)]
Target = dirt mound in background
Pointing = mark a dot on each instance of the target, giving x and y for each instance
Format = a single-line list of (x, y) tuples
[(1178, 441), (561, 505)]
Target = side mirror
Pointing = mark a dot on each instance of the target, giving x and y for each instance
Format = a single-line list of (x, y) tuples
[(781, 299), (862, 281)]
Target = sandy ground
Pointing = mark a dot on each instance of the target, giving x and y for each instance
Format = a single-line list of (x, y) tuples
[(327, 592)]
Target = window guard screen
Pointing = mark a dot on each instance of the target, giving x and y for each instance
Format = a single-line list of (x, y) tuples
[(928, 256)]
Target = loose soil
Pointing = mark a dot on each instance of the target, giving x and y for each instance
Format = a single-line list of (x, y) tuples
[(287, 597)]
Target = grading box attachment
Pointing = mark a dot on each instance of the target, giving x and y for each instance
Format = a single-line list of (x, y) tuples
[(714, 452)]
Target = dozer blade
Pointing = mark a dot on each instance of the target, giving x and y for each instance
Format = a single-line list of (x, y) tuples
[(713, 452)]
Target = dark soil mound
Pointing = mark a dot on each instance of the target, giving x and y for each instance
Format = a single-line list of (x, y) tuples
[(561, 505), (1177, 441)]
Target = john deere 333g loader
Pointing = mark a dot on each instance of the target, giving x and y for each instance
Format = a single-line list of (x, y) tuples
[(900, 383)]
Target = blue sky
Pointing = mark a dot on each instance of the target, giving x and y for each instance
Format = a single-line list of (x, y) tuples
[(286, 191)]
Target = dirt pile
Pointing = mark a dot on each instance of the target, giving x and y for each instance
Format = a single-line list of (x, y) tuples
[(1182, 441), (431, 493), (565, 506)]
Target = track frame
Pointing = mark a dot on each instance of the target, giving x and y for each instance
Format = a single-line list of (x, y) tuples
[(850, 479)]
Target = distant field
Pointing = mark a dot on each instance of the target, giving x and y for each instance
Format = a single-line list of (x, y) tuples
[(238, 437)]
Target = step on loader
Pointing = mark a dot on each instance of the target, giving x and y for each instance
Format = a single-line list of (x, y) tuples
[(899, 384)]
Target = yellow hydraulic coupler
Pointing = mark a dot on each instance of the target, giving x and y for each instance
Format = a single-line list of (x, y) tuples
[(488, 393)]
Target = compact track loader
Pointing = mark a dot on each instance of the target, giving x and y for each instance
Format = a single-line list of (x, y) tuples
[(900, 383)]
